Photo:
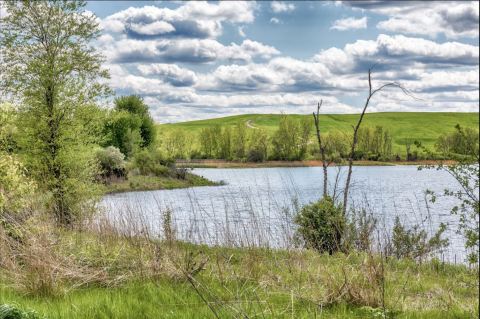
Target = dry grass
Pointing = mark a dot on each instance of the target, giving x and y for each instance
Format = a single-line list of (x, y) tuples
[(230, 282)]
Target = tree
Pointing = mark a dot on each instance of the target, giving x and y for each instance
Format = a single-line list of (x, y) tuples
[(239, 140), (286, 139), (466, 173), (134, 105), (8, 128), (322, 148), (257, 145), (356, 128), (123, 132), (49, 68), (225, 143)]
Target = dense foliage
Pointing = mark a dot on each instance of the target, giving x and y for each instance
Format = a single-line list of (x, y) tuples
[(321, 225), (292, 140), (130, 126), (49, 66)]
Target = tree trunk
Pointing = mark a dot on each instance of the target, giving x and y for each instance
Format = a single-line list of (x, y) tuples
[(322, 149)]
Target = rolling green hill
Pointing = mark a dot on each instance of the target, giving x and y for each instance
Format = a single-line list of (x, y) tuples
[(421, 126)]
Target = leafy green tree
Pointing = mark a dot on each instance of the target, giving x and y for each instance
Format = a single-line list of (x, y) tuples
[(285, 138), (462, 141), (257, 146), (8, 128), (209, 140), (225, 144), (175, 144), (240, 140), (123, 132), (134, 105), (305, 128), (52, 71), (466, 173), (290, 141), (16, 188)]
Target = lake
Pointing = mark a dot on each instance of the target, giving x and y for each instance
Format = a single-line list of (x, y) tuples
[(256, 205)]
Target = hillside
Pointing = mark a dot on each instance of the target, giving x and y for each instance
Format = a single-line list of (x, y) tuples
[(421, 126)]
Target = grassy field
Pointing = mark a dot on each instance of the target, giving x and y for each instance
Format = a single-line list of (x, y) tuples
[(423, 127), (260, 283)]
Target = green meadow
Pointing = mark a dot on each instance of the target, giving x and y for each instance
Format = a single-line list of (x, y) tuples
[(424, 127)]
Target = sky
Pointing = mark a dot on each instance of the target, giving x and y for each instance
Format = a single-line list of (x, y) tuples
[(198, 60)]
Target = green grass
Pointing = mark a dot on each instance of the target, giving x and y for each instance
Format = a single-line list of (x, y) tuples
[(260, 283), (145, 183), (424, 127)]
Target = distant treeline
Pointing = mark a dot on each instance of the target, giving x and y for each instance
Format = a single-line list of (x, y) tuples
[(294, 139)]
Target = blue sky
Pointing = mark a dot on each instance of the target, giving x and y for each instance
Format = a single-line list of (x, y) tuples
[(195, 60)]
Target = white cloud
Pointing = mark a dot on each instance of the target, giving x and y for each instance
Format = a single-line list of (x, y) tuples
[(279, 6), (349, 24), (184, 50), (454, 19), (398, 52), (157, 27), (194, 19), (170, 73), (275, 20), (241, 32)]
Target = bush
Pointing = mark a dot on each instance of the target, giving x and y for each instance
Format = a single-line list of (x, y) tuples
[(12, 312), (152, 163), (413, 243), (321, 225), (360, 230), (16, 189), (255, 155), (112, 162)]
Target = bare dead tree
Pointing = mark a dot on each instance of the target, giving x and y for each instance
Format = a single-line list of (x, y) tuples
[(321, 146), (371, 93)]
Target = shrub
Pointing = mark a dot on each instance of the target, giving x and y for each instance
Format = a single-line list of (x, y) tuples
[(255, 155), (321, 225), (12, 312), (360, 230), (413, 242), (152, 163), (112, 162), (16, 188)]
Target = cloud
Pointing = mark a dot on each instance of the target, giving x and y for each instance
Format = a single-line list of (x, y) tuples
[(278, 6), (241, 32), (184, 50), (397, 52), (170, 73), (454, 19), (152, 51), (275, 21), (195, 19), (349, 24), (155, 28)]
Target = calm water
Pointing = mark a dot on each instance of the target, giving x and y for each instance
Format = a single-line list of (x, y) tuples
[(255, 206)]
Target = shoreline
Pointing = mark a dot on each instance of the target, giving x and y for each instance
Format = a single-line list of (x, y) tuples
[(208, 163), (138, 183)]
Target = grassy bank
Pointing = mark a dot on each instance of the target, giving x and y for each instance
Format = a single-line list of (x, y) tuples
[(421, 126), (188, 281), (146, 183)]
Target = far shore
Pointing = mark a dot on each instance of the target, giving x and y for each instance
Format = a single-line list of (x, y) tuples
[(211, 163)]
